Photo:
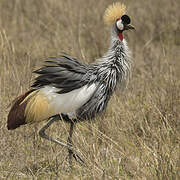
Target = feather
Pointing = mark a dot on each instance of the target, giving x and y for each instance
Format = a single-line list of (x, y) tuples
[(38, 108), (16, 116), (62, 72), (114, 12)]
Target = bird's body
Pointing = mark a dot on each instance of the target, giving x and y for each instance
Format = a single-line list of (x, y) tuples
[(75, 89), (78, 91)]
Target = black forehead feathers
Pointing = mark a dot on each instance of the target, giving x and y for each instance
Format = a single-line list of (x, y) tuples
[(126, 19)]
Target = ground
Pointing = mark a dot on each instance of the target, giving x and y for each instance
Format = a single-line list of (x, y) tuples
[(139, 135)]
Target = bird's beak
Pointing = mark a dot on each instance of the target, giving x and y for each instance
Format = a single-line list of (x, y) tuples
[(129, 27)]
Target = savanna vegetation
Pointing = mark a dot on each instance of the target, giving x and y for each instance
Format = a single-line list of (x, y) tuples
[(139, 136)]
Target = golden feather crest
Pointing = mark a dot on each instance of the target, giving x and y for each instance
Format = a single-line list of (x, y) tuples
[(113, 12)]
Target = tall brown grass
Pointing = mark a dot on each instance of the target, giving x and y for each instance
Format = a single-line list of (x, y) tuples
[(139, 138)]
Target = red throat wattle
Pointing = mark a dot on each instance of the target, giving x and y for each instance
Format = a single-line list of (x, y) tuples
[(120, 36)]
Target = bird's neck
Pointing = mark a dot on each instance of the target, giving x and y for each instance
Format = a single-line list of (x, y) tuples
[(118, 54), (114, 66)]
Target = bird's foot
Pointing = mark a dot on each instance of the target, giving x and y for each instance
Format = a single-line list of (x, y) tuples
[(78, 158)]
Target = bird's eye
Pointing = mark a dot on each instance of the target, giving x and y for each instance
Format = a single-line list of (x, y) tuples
[(126, 19)]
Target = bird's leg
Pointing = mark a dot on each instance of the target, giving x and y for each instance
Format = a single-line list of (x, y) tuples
[(69, 143), (71, 150), (43, 134)]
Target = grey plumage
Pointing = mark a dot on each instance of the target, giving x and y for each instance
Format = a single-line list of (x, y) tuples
[(67, 74), (110, 71)]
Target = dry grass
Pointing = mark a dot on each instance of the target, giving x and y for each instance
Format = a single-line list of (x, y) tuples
[(139, 137)]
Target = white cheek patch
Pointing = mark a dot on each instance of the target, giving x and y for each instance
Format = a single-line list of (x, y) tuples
[(120, 25)]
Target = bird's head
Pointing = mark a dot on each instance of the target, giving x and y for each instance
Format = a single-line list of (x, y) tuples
[(115, 15)]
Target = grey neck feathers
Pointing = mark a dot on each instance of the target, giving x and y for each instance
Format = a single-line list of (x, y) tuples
[(109, 72), (114, 67)]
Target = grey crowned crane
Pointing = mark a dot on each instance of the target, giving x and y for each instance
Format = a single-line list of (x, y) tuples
[(67, 89)]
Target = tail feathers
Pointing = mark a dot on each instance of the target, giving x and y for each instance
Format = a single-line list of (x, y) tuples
[(16, 116)]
